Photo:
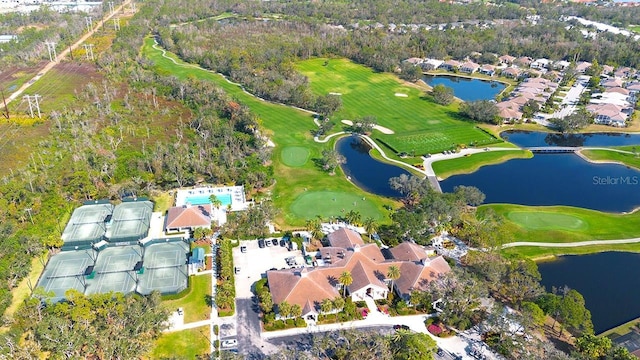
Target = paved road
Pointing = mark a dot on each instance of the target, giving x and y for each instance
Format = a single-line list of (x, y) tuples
[(572, 244), (64, 53)]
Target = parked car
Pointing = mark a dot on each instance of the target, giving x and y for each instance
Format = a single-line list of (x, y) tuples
[(274, 242), (236, 270), (180, 311), (400, 327), (243, 249), (261, 243), (229, 343)]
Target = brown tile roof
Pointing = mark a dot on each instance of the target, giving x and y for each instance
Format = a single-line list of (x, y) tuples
[(192, 216), (300, 286), (345, 238), (408, 251), (364, 276), (416, 276)]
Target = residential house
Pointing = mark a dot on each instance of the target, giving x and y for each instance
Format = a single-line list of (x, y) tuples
[(608, 114), (612, 83), (487, 70), (561, 65), (506, 59), (414, 61), (511, 72), (554, 76), (583, 66), (309, 287), (607, 69), (188, 217), (469, 67), (510, 115), (450, 65), (634, 89), (523, 61), (431, 64), (624, 72), (540, 64)]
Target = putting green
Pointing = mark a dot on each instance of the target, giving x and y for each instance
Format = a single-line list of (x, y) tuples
[(333, 203), (546, 220), (295, 156)]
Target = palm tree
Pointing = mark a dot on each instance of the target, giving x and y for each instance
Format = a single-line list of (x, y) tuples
[(315, 227), (326, 306), (284, 308), (215, 201), (393, 273), (345, 279), (370, 226), (353, 217)]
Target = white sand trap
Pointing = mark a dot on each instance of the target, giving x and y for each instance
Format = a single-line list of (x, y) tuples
[(334, 93), (382, 129), (401, 95)]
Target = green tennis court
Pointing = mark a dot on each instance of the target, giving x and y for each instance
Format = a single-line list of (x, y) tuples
[(546, 220), (333, 203), (295, 156)]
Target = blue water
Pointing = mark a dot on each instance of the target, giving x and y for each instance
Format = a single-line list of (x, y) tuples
[(539, 138), (204, 199), (605, 281), (555, 179), (366, 172), (467, 89)]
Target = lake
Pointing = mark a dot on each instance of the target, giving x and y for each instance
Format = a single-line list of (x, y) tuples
[(467, 89), (607, 281), (366, 172), (555, 179), (539, 138)]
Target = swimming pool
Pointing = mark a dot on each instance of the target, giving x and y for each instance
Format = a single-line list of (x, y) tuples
[(204, 199)]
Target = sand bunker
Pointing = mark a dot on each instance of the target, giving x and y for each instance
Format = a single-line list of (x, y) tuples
[(401, 95), (382, 129)]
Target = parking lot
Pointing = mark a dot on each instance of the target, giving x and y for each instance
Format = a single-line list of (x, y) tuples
[(253, 264)]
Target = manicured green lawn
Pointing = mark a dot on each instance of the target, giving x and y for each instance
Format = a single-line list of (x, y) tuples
[(295, 156), (635, 28), (595, 225), (469, 164), (540, 220), (185, 344), (420, 125), (286, 127), (600, 155), (536, 252), (333, 203), (195, 303)]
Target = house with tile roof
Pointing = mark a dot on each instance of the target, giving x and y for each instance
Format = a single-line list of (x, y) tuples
[(506, 59), (469, 67), (308, 287), (188, 217)]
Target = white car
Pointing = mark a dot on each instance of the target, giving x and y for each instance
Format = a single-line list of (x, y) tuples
[(229, 343)]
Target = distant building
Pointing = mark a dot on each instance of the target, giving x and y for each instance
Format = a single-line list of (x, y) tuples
[(469, 67)]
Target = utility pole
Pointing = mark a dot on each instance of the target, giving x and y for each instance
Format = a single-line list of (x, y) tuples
[(31, 105), (89, 22), (6, 109), (116, 24), (88, 50), (51, 47)]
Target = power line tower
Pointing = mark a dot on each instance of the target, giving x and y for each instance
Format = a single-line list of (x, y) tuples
[(33, 104), (111, 7), (88, 50), (51, 47), (89, 21), (116, 24)]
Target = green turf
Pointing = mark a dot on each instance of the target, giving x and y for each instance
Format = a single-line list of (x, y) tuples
[(332, 203), (635, 28), (469, 164), (295, 156), (420, 125), (185, 344), (540, 220), (613, 156), (194, 302), (286, 127)]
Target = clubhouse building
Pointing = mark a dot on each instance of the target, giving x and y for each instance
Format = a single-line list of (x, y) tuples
[(308, 287)]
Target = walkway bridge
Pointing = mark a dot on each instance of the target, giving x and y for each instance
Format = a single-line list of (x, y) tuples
[(553, 149)]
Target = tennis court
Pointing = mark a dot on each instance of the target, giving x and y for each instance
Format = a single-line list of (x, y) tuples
[(130, 221), (165, 268), (87, 225), (114, 270), (66, 271)]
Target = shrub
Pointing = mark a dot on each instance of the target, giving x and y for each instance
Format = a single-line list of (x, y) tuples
[(215, 329), (360, 304), (289, 323), (269, 318), (434, 329), (300, 322)]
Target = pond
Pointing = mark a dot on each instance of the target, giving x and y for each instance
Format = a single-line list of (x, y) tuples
[(539, 138), (467, 89), (606, 280), (366, 172), (555, 179)]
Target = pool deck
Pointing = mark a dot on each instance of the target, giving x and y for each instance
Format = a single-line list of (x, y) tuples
[(238, 200)]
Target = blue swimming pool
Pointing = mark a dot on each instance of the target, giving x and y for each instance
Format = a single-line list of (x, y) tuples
[(204, 199)]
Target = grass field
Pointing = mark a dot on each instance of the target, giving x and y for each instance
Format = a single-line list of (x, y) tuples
[(605, 155), (295, 156), (635, 28), (286, 127), (469, 164), (420, 125), (571, 225), (195, 303), (185, 344), (540, 220), (332, 203), (162, 201)]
